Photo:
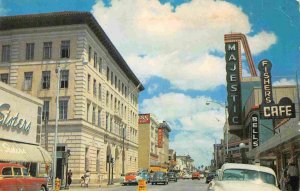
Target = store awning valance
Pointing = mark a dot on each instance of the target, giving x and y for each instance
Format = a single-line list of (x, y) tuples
[(21, 152)]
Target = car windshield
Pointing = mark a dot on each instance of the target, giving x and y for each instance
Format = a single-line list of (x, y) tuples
[(248, 175)]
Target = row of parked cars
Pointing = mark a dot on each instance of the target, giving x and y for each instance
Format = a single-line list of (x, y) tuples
[(153, 178)]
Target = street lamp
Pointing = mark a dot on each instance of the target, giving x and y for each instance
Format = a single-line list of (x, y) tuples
[(226, 120)]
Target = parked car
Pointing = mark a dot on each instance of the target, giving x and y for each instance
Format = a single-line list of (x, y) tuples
[(196, 175), (201, 175), (131, 178), (172, 176), (160, 177), (210, 177), (145, 176), (187, 176), (234, 177), (15, 177)]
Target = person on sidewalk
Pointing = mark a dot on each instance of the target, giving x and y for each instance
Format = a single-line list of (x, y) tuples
[(69, 177), (293, 175), (87, 178)]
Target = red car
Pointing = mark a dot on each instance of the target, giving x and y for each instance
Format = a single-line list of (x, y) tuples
[(196, 175), (15, 177)]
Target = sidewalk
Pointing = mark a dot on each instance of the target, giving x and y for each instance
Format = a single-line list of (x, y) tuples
[(77, 187)]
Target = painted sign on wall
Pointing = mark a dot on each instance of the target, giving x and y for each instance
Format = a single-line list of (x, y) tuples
[(233, 83), (160, 137), (269, 110), (254, 130), (144, 118)]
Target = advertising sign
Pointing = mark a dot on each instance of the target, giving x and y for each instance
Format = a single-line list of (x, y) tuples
[(233, 83), (269, 110), (144, 118), (160, 137), (254, 130)]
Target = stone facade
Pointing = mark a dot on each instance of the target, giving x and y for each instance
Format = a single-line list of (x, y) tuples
[(98, 91)]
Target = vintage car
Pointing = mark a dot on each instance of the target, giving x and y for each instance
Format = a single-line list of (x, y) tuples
[(196, 175), (160, 177), (246, 177), (210, 177), (172, 176), (15, 177), (130, 178), (145, 176)]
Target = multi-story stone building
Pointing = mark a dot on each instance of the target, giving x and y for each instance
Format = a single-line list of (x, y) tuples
[(163, 150), (148, 152), (98, 92)]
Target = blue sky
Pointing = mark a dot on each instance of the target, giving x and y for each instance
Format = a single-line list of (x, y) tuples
[(182, 63)]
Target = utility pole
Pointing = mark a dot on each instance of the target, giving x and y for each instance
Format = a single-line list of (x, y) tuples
[(56, 127), (123, 152)]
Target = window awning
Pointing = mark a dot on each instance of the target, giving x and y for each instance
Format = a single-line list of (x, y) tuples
[(22, 152)]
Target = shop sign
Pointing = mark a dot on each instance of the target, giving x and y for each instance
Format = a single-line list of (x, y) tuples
[(144, 118), (160, 137), (13, 122), (285, 108), (254, 130), (233, 83)]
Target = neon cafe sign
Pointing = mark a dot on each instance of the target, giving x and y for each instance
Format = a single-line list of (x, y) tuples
[(15, 122), (285, 108)]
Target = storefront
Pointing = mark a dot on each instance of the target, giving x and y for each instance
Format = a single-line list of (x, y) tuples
[(20, 130)]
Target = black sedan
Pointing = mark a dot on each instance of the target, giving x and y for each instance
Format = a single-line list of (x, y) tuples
[(172, 176), (160, 177), (210, 177)]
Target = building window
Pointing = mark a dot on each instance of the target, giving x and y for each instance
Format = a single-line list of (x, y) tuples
[(122, 89), (95, 60), (99, 92), (29, 51), (87, 111), (125, 91), (65, 49), (94, 115), (98, 162), (4, 78), (107, 99), (119, 85), (47, 50), (28, 80), (107, 121), (107, 74), (95, 88), (63, 109), (46, 110), (88, 83), (90, 53), (100, 65), (116, 82), (5, 53), (64, 79), (111, 78), (99, 118), (46, 79)]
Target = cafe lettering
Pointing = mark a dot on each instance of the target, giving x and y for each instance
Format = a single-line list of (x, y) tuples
[(12, 121)]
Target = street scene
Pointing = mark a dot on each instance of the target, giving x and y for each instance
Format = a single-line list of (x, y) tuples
[(159, 95)]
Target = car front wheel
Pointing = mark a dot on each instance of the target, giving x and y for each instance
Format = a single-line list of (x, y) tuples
[(43, 188)]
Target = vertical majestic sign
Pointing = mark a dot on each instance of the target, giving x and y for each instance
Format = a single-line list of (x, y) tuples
[(160, 137), (233, 83), (254, 130), (265, 67)]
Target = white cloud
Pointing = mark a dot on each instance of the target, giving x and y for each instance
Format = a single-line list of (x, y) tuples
[(152, 88), (198, 124), (284, 81), (177, 44)]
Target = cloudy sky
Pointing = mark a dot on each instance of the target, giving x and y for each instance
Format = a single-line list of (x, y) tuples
[(176, 49)]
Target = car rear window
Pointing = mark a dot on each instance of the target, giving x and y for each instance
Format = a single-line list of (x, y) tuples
[(25, 172), (7, 171)]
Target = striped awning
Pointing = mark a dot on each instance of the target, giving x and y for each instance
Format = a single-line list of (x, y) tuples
[(22, 152)]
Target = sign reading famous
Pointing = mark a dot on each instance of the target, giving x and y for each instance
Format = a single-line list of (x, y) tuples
[(285, 108), (233, 83), (255, 131)]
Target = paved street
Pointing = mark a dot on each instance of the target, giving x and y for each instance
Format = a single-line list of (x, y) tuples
[(181, 185)]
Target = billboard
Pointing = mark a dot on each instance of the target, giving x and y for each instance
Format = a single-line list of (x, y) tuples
[(144, 118), (233, 83), (254, 130)]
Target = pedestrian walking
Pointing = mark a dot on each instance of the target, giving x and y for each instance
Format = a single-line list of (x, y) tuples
[(86, 178), (293, 175), (70, 173), (284, 181)]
